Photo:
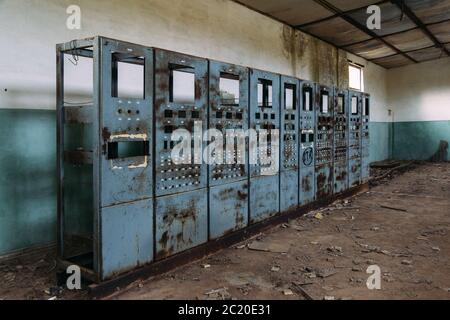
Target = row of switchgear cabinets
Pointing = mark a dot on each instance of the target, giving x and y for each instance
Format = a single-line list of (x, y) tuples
[(146, 206)]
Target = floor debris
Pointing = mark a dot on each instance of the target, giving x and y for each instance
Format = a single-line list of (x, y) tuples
[(316, 259)]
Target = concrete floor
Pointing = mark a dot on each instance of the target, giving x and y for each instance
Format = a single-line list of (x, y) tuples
[(402, 226)]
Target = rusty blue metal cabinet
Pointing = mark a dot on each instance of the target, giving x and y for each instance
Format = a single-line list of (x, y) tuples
[(365, 138), (340, 140), (324, 142), (228, 176), (289, 161), (264, 115), (181, 103), (119, 128), (307, 142), (354, 144)]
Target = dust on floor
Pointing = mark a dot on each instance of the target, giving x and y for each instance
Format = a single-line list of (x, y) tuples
[(401, 226)]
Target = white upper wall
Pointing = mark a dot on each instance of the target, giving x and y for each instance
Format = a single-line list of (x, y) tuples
[(215, 29), (420, 92)]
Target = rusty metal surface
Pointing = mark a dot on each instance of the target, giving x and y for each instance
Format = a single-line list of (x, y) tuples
[(181, 204), (78, 115), (365, 138), (337, 31), (126, 237), (228, 208), (78, 157), (289, 161), (340, 160), (181, 222), (134, 224), (170, 115), (264, 184), (163, 266), (228, 115), (354, 142), (307, 142), (229, 187), (125, 184), (371, 49), (324, 141)]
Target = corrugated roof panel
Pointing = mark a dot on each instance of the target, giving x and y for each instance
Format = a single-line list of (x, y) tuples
[(441, 31), (427, 54), (293, 12), (371, 49), (393, 61), (410, 40), (391, 19), (346, 5), (430, 11), (337, 31)]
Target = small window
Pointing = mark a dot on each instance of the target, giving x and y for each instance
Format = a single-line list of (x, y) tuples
[(128, 77), (127, 149), (304, 137), (195, 115), (324, 103), (290, 96), (341, 104), (168, 113), (356, 79), (229, 89), (182, 85), (265, 94), (307, 102), (366, 107), (354, 105)]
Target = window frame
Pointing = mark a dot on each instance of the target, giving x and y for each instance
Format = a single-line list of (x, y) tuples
[(361, 73)]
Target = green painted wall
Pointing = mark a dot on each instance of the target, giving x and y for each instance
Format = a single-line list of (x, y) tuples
[(28, 175), (27, 178), (419, 140), (380, 142)]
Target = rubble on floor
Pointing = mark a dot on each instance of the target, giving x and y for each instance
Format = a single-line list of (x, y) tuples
[(326, 255)]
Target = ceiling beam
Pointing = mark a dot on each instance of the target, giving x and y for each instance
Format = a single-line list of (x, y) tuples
[(361, 27), (337, 15), (412, 16)]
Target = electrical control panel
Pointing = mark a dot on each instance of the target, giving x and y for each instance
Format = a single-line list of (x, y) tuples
[(324, 141), (228, 168), (307, 130), (174, 151), (289, 169), (264, 151), (340, 140), (354, 144), (365, 138), (181, 111), (105, 165)]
